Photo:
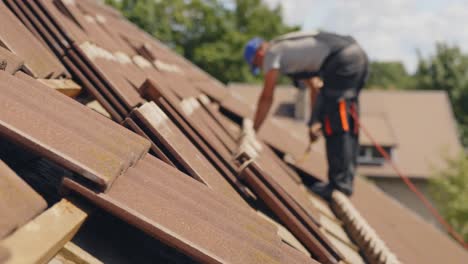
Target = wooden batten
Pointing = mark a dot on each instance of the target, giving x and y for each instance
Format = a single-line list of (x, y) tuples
[(45, 235), (96, 106), (65, 86), (71, 253)]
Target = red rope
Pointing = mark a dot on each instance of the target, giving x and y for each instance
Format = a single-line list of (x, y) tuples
[(411, 186)]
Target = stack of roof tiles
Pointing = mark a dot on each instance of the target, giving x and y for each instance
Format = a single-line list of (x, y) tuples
[(174, 159)]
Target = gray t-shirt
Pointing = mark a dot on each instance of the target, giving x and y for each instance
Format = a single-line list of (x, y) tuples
[(296, 52)]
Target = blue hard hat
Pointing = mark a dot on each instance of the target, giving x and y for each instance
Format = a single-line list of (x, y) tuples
[(249, 53)]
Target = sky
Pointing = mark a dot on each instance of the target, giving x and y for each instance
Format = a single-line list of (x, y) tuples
[(389, 30)]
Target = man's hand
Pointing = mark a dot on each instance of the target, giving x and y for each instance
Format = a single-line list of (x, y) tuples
[(315, 83), (315, 131)]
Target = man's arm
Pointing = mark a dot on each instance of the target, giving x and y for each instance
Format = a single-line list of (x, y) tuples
[(315, 84), (266, 98)]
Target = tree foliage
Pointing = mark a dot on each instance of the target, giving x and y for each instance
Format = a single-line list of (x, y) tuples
[(207, 32), (449, 189), (389, 76), (447, 70)]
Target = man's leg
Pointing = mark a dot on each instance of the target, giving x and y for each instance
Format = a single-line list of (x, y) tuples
[(355, 131), (341, 161)]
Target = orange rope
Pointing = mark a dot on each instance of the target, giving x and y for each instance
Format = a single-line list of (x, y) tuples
[(411, 186)]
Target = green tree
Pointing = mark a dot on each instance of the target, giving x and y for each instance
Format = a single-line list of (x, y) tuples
[(389, 76), (207, 32), (447, 70), (449, 189)]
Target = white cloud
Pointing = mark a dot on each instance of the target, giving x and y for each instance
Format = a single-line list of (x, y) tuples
[(388, 30)]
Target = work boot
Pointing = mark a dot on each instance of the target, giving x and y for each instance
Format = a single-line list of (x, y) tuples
[(322, 189)]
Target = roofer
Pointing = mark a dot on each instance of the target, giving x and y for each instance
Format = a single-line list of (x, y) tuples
[(310, 58)]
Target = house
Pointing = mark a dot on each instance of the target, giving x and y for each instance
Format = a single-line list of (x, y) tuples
[(416, 128)]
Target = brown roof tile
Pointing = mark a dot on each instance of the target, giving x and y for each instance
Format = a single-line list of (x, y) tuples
[(37, 24), (70, 30), (24, 19), (270, 196), (12, 61), (48, 130), (19, 203), (283, 179), (81, 67), (191, 126), (206, 233), (15, 37), (187, 154)]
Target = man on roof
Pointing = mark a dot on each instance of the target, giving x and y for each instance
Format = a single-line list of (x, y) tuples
[(334, 68)]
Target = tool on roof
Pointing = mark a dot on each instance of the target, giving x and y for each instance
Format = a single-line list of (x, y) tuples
[(306, 154)]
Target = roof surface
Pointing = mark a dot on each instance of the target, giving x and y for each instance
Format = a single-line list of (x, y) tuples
[(423, 125)]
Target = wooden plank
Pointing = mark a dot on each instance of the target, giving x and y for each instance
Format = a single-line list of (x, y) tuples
[(96, 106), (65, 86), (71, 253), (44, 236)]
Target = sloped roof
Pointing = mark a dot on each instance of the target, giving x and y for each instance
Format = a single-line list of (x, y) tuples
[(424, 128)]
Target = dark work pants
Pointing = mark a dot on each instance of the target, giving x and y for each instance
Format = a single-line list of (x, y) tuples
[(342, 152), (347, 71)]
